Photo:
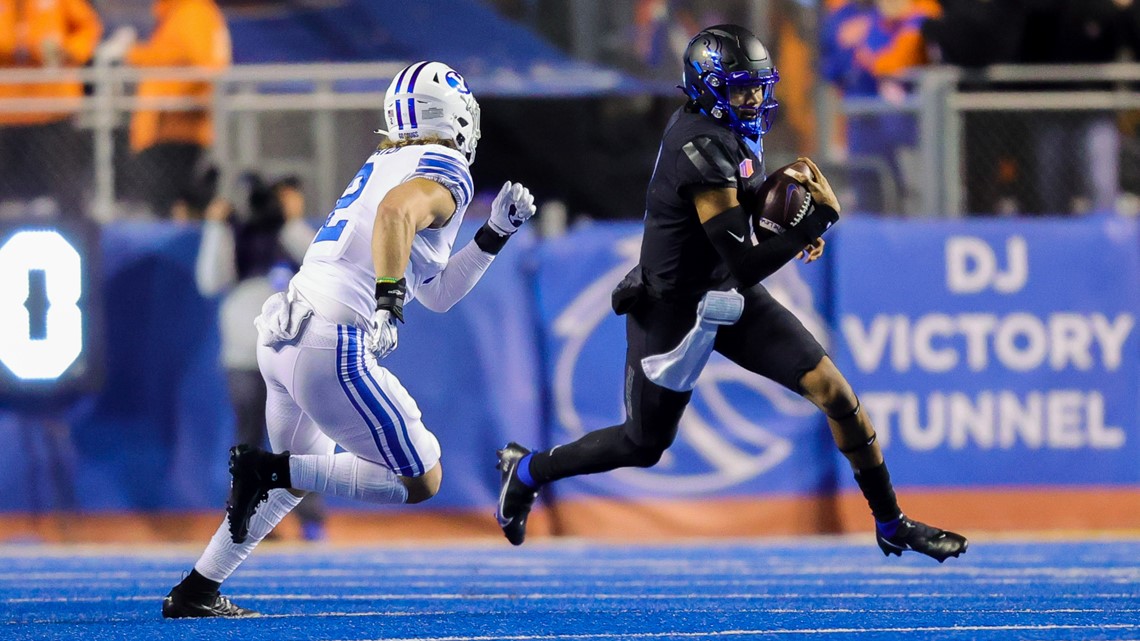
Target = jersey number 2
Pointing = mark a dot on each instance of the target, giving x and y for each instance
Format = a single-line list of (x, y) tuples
[(332, 229)]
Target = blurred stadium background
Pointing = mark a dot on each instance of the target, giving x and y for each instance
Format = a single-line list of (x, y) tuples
[(981, 292)]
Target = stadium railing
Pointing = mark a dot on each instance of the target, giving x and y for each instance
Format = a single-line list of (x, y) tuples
[(1003, 139), (990, 141)]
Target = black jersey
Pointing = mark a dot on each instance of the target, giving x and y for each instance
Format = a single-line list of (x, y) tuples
[(677, 258)]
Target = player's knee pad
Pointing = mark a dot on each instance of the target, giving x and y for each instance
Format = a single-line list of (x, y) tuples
[(422, 488)]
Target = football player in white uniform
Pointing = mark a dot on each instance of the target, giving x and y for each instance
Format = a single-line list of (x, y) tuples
[(387, 241)]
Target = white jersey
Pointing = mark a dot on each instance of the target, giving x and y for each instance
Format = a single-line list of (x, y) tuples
[(337, 276)]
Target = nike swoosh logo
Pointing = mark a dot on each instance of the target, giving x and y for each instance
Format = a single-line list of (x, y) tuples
[(739, 239), (503, 521), (499, 516)]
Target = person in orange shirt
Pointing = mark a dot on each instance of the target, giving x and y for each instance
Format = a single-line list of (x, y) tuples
[(41, 152), (893, 45), (168, 145)]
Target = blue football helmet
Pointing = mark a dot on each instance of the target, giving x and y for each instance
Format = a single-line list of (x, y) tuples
[(726, 57)]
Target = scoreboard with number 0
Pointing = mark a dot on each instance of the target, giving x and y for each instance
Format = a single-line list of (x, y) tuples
[(50, 330)]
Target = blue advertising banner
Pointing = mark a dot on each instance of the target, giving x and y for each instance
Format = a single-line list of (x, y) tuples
[(742, 434), (155, 435), (994, 353)]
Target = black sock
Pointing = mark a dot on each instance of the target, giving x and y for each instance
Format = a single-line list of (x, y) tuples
[(598, 451), (278, 471), (197, 584), (875, 483)]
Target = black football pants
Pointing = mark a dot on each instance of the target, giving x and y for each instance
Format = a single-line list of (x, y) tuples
[(767, 340)]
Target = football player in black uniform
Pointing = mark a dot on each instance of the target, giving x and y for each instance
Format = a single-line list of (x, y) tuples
[(699, 238)]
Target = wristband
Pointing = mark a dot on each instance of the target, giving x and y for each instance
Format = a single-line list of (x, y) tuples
[(390, 296), (819, 220), (489, 240)]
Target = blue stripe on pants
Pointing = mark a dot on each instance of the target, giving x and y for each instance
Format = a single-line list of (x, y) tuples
[(387, 429), (406, 437), (344, 361)]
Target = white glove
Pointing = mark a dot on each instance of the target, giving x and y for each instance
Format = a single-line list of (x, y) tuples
[(511, 208), (382, 337)]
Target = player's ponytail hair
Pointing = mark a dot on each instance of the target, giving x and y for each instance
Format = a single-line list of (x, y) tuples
[(426, 140)]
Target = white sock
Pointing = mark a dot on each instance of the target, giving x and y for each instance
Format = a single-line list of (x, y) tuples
[(346, 475), (223, 556)]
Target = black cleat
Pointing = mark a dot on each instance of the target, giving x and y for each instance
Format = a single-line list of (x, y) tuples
[(515, 497), (253, 473), (178, 605), (919, 537)]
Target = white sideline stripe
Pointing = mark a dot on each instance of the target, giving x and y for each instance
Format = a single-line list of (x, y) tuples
[(657, 585), (561, 596), (295, 615), (363, 581), (742, 633), (423, 613), (477, 568)]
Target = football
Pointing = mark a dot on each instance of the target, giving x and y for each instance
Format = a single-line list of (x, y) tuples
[(784, 201)]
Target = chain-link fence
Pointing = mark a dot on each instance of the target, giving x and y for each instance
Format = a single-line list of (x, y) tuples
[(1012, 140)]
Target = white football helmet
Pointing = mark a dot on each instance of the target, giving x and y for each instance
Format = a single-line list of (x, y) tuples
[(432, 99)]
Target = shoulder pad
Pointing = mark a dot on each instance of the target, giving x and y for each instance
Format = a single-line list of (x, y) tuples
[(710, 159)]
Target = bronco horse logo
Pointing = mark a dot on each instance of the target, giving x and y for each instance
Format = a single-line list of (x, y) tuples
[(730, 446)]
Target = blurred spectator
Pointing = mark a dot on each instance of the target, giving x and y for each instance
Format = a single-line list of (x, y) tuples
[(895, 44), (662, 28), (1078, 153), (794, 30), (167, 145), (250, 260), (194, 200), (41, 151), (866, 48), (844, 30), (660, 33)]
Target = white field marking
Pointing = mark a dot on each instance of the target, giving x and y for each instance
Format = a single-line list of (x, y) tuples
[(744, 633), (450, 613), (565, 544), (562, 596), (361, 579), (605, 570), (655, 585), (307, 615)]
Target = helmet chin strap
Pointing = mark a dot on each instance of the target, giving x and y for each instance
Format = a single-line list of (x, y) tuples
[(380, 131)]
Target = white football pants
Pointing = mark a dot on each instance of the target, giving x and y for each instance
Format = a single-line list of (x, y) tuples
[(326, 389)]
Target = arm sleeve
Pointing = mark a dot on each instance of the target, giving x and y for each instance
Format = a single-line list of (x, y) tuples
[(750, 261), (216, 268), (296, 236), (464, 269)]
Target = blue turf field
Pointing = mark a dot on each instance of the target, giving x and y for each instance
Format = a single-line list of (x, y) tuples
[(822, 589)]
